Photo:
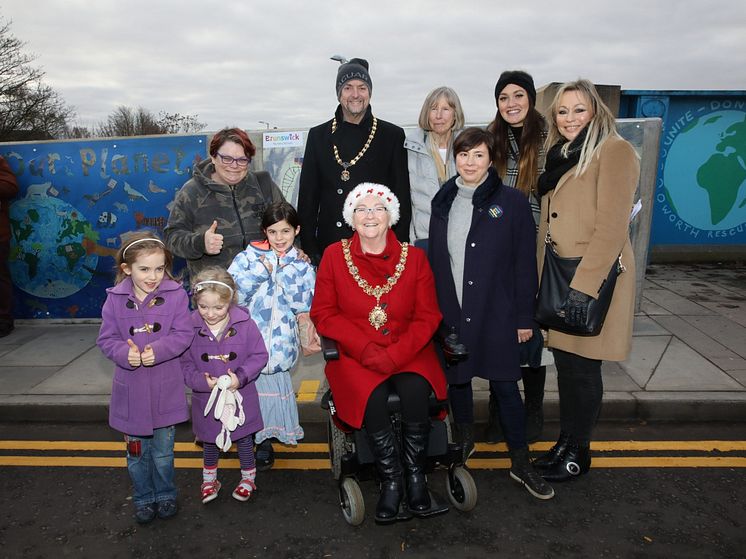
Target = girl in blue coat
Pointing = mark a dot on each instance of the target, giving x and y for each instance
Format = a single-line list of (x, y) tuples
[(276, 285), (145, 327), (226, 342)]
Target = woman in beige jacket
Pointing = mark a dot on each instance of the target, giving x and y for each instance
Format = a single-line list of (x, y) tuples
[(587, 194)]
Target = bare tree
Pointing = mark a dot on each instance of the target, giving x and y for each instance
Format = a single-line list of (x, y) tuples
[(29, 110), (173, 123), (128, 121)]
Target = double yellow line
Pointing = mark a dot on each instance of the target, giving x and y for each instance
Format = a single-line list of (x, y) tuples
[(732, 454)]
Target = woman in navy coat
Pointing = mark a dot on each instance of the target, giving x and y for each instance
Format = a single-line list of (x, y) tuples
[(482, 250)]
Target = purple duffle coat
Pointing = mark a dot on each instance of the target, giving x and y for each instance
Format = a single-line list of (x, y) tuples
[(241, 349), (146, 398)]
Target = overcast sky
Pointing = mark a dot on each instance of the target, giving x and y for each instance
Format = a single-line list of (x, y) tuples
[(241, 62)]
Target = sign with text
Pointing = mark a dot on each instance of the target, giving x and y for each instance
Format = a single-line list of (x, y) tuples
[(76, 199)]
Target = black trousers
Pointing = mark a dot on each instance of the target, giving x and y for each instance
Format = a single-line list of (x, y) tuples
[(581, 390), (512, 413), (414, 393)]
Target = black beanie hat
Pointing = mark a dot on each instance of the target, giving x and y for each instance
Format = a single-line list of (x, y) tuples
[(519, 78), (355, 69)]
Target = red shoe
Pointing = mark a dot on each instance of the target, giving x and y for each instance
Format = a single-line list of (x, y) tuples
[(243, 490), (210, 491)]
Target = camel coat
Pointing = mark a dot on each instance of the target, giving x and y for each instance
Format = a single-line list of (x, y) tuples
[(588, 216)]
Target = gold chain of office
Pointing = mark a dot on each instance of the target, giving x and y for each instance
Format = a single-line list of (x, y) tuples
[(377, 316), (345, 176)]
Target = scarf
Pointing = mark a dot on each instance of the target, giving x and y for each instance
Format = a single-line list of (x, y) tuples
[(557, 164), (440, 166)]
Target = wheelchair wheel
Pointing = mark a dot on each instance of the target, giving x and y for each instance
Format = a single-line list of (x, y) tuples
[(351, 501), (338, 447), (462, 491)]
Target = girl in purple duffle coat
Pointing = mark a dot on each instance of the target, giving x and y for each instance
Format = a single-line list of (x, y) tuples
[(226, 342), (145, 328)]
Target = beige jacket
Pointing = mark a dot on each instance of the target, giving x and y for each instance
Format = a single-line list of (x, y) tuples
[(588, 216)]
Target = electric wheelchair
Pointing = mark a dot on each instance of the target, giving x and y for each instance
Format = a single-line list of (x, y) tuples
[(352, 459)]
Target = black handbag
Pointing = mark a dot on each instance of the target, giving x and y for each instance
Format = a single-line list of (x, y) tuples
[(556, 276)]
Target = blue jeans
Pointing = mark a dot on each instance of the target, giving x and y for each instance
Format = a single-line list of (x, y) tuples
[(152, 472)]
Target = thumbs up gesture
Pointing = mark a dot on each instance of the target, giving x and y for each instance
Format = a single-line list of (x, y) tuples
[(148, 356), (133, 356), (213, 240)]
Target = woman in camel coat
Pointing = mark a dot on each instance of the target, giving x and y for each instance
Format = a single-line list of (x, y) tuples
[(587, 193)]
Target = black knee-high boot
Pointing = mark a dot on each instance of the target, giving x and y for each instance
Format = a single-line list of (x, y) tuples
[(414, 459), (388, 464), (534, 379)]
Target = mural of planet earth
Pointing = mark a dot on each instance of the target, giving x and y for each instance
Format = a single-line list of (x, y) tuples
[(704, 175), (47, 254)]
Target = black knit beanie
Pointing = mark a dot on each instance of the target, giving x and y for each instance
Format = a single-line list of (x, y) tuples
[(355, 69), (519, 78)]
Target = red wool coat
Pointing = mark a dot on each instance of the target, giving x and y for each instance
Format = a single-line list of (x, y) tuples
[(340, 311)]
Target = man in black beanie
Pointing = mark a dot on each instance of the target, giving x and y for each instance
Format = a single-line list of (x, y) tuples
[(351, 148)]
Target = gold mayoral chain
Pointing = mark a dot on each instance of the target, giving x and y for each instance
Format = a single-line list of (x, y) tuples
[(377, 316), (345, 165)]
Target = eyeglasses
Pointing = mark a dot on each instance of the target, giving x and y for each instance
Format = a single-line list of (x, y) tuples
[(228, 160), (377, 210)]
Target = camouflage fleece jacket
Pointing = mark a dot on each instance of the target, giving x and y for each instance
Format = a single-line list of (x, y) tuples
[(238, 211)]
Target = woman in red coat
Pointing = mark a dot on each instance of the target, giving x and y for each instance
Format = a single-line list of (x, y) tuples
[(376, 297)]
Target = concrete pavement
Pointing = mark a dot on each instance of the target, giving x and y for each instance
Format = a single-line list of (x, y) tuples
[(688, 360)]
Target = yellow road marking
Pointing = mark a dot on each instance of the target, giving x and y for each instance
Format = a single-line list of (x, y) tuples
[(323, 463), (308, 390), (636, 446), (121, 462), (601, 446), (119, 446), (631, 462)]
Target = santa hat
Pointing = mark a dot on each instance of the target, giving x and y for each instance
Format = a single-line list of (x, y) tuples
[(378, 190)]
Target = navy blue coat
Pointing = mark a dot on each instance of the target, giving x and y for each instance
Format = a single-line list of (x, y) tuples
[(500, 278)]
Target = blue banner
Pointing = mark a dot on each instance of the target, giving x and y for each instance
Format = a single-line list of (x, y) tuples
[(76, 199)]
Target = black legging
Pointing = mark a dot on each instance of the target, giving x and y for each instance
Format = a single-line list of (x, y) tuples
[(581, 389), (414, 393)]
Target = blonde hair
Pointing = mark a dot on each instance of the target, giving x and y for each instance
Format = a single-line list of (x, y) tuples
[(601, 127), (135, 243), (453, 101), (217, 280)]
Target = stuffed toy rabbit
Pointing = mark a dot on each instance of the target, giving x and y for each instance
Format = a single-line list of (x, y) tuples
[(228, 410)]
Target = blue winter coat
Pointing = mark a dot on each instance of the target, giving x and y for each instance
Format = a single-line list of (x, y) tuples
[(146, 398), (242, 349), (274, 299), (500, 278)]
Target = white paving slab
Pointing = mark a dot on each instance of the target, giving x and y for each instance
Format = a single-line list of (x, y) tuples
[(683, 369), (646, 326), (739, 376), (732, 310), (725, 331), (21, 380), (53, 345), (705, 343), (616, 379), (89, 374), (644, 358), (651, 309), (675, 303)]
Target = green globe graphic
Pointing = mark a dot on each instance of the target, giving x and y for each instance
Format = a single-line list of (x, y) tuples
[(47, 254), (705, 175)]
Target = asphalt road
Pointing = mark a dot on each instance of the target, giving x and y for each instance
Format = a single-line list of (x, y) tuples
[(645, 499)]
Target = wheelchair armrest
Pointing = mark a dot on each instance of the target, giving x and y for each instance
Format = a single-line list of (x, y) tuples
[(329, 349)]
